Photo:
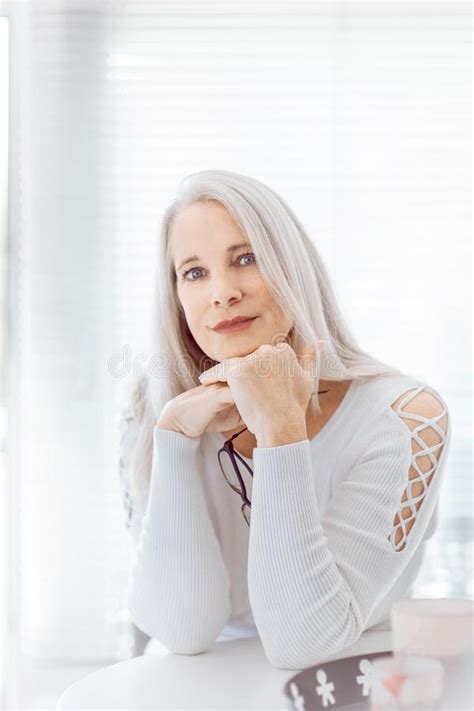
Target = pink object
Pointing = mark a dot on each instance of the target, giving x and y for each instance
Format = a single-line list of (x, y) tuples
[(408, 683), (442, 629), (394, 683)]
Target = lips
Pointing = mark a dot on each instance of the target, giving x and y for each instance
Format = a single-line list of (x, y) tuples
[(222, 325)]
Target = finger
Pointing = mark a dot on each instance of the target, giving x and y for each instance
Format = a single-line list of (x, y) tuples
[(232, 415), (224, 396), (213, 375), (226, 420), (232, 418), (209, 379), (222, 371)]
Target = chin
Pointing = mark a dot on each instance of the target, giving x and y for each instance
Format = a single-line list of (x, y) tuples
[(234, 353)]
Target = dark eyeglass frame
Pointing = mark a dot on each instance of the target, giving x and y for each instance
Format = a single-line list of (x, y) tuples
[(228, 448)]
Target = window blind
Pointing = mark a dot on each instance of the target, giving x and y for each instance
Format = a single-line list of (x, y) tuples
[(358, 113)]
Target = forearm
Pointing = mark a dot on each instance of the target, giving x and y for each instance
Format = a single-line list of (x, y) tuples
[(179, 585), (300, 602)]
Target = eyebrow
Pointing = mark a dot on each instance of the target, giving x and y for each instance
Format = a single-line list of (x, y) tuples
[(195, 258)]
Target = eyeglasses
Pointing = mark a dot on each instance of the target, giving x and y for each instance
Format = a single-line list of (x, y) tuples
[(228, 462), (228, 458)]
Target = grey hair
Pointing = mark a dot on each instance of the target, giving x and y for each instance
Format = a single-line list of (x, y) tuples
[(295, 275)]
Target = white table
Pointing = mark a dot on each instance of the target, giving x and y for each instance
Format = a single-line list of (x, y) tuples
[(230, 675)]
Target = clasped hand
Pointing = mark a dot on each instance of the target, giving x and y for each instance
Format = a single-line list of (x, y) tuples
[(271, 389)]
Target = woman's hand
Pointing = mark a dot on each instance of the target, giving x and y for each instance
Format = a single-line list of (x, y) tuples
[(271, 388), (206, 408)]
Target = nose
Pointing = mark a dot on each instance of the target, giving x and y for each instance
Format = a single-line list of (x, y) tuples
[(224, 292)]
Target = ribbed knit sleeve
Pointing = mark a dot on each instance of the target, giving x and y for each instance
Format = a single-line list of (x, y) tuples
[(178, 583), (314, 580)]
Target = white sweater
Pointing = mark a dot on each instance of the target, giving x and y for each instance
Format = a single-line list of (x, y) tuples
[(321, 561)]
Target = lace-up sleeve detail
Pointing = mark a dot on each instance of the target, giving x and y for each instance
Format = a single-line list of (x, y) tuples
[(426, 418)]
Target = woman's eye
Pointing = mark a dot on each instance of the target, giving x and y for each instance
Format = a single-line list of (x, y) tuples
[(243, 256), (199, 269), (195, 269)]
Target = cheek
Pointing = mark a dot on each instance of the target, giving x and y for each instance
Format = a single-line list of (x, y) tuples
[(194, 310), (265, 298)]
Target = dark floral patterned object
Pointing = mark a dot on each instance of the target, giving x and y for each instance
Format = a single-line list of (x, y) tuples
[(340, 684)]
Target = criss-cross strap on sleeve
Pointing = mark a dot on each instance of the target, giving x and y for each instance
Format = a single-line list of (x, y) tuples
[(426, 418)]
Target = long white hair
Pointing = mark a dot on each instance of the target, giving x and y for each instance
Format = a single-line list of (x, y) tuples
[(294, 273)]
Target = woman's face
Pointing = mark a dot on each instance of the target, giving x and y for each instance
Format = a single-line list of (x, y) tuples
[(220, 282)]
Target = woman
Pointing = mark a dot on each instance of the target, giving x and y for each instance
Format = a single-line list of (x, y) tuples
[(340, 456)]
